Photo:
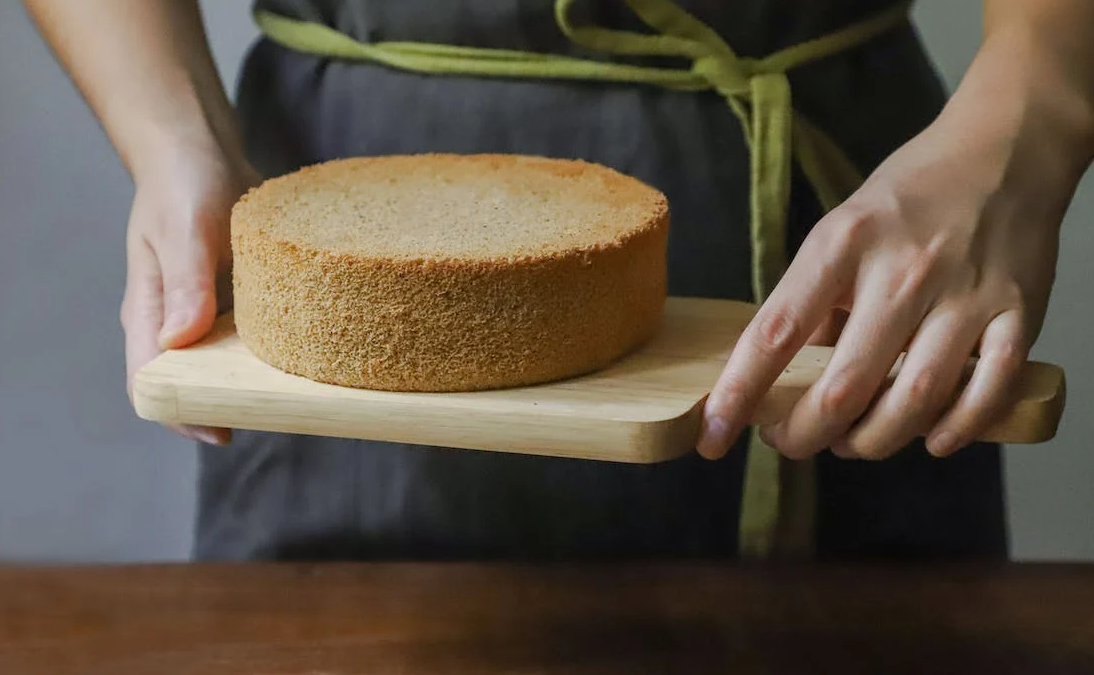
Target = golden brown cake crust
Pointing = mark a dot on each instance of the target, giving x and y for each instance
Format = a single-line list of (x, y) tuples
[(448, 272)]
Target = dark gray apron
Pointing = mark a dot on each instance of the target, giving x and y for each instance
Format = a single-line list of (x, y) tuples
[(273, 496)]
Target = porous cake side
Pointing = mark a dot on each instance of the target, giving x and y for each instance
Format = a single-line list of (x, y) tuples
[(321, 295)]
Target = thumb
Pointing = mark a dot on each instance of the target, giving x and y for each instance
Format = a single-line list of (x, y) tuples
[(189, 293)]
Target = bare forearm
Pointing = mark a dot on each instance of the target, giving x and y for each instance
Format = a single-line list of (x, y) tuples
[(1058, 37), (1025, 107), (1032, 83), (145, 69)]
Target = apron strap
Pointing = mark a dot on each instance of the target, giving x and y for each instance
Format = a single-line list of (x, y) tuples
[(778, 499)]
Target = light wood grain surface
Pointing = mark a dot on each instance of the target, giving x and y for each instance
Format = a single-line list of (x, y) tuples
[(432, 619), (645, 408)]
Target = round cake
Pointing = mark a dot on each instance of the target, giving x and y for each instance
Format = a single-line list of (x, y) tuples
[(448, 272)]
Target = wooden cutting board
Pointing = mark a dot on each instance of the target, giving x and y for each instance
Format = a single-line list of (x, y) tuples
[(645, 408)]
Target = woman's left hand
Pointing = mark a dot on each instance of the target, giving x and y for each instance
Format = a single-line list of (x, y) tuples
[(947, 251)]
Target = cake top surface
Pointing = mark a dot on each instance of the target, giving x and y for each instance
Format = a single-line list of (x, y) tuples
[(444, 207)]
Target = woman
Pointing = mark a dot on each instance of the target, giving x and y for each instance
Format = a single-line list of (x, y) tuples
[(947, 249)]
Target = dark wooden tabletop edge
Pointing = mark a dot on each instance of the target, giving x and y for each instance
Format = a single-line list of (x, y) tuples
[(893, 569)]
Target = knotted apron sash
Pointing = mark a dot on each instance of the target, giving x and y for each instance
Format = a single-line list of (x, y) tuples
[(778, 499)]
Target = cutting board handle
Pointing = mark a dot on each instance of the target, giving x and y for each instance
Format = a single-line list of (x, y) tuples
[(1037, 402)]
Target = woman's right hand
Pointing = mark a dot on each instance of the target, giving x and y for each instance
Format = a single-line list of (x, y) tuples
[(179, 256), (146, 70)]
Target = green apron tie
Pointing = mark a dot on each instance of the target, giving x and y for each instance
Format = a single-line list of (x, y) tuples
[(758, 93)]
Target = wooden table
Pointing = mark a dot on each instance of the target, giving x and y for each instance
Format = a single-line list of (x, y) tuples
[(456, 619)]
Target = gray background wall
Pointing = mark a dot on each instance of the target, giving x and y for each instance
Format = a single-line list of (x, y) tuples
[(82, 479)]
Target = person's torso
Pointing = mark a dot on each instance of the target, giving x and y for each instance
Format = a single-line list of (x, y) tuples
[(751, 27), (276, 496)]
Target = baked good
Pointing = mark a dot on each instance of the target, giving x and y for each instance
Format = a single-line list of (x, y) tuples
[(443, 272)]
